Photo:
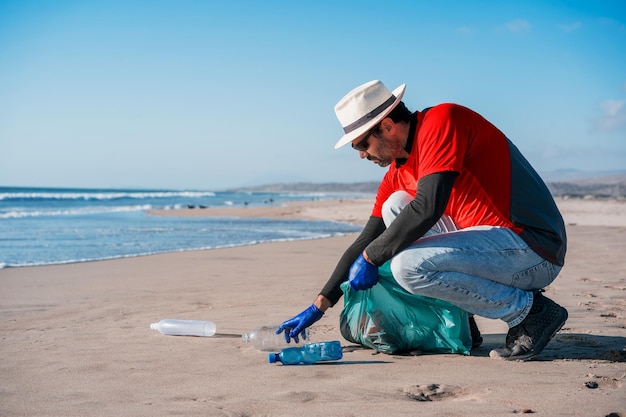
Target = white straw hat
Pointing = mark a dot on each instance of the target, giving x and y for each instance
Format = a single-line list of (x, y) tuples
[(360, 109)]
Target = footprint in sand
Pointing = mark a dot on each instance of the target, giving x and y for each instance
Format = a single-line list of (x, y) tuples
[(299, 396), (432, 392)]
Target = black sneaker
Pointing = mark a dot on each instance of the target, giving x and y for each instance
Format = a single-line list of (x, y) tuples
[(477, 339), (527, 339)]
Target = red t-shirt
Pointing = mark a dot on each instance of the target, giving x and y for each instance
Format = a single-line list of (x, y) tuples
[(496, 186)]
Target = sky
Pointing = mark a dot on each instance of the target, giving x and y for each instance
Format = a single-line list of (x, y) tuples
[(216, 94)]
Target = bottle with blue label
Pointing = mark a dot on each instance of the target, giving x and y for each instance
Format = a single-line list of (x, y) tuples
[(308, 354)]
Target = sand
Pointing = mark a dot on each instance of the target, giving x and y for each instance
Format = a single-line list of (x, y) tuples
[(75, 339)]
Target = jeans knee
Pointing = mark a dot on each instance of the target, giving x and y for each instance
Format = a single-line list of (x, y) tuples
[(394, 205), (411, 274)]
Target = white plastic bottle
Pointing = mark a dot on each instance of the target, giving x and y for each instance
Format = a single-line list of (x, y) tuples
[(185, 327), (265, 338)]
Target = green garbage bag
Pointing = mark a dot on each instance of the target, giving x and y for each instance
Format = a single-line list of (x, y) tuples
[(389, 319)]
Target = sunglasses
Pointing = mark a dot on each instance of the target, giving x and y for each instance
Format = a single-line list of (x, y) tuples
[(363, 144)]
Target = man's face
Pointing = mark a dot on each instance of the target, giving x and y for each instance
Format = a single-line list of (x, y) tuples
[(381, 150)]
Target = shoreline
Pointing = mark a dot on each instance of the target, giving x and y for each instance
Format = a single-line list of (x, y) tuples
[(584, 212), (349, 210)]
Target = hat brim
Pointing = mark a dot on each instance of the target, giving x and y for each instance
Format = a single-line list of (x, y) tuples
[(355, 134)]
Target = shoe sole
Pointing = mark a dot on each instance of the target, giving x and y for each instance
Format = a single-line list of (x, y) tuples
[(541, 343)]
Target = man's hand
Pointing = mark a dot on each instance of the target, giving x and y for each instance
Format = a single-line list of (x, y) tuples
[(363, 275), (298, 324)]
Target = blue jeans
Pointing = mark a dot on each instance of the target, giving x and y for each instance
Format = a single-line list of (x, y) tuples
[(485, 270)]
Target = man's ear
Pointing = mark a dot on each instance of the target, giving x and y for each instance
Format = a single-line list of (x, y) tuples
[(387, 126)]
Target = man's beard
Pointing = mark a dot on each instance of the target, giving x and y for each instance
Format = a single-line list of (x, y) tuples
[(387, 153), (381, 163)]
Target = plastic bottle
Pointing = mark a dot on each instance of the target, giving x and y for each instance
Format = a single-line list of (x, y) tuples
[(184, 327), (265, 338), (308, 354)]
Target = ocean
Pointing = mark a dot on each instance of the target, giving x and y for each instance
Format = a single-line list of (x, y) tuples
[(47, 226)]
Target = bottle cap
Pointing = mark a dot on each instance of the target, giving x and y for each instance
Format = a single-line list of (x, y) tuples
[(271, 357)]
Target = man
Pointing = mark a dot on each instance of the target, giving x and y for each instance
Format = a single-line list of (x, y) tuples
[(449, 161)]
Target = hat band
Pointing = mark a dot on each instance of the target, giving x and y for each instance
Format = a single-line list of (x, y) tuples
[(369, 116)]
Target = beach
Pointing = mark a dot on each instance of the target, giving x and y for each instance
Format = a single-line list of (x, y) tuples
[(76, 338)]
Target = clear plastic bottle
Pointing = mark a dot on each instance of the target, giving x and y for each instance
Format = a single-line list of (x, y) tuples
[(185, 327), (308, 354), (265, 338)]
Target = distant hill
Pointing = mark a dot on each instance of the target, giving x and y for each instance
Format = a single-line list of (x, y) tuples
[(598, 187), (310, 187), (569, 175)]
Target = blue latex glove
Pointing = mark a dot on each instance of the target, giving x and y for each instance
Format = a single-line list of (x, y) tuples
[(363, 275), (298, 324)]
